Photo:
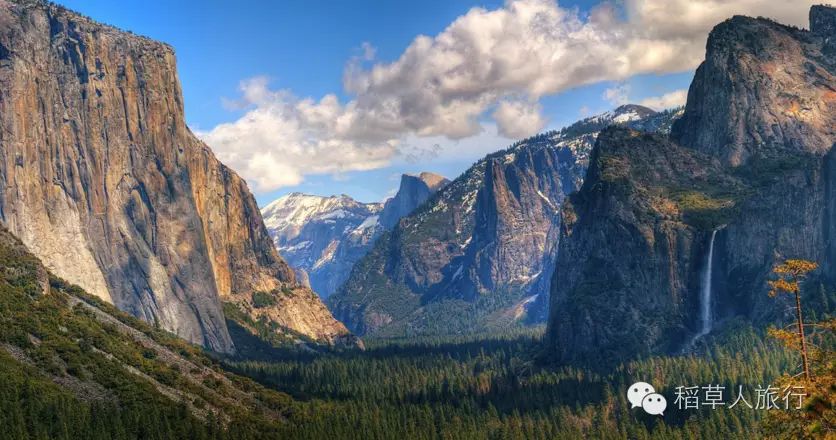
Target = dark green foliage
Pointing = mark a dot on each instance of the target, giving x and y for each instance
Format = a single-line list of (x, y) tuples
[(486, 387), (66, 374), (763, 171), (263, 299), (711, 204), (493, 388), (706, 210)]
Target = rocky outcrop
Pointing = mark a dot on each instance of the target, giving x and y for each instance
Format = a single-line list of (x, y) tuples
[(325, 236), (763, 91), (104, 182), (751, 158), (627, 274), (823, 25), (479, 254), (413, 191)]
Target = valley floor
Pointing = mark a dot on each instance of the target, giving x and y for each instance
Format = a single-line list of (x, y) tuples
[(494, 388)]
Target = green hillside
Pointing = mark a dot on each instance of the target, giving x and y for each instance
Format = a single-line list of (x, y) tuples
[(72, 367)]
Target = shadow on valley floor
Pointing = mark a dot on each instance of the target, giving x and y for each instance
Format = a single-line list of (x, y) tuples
[(499, 373), (503, 375)]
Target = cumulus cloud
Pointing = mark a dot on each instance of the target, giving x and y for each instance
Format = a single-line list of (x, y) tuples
[(504, 59), (617, 95), (444, 150), (668, 100), (283, 138), (518, 119)]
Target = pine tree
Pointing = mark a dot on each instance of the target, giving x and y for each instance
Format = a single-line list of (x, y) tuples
[(790, 273)]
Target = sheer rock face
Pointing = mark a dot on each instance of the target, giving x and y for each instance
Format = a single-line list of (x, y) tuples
[(823, 25), (629, 259), (764, 90), (104, 182), (751, 157), (413, 191), (482, 233)]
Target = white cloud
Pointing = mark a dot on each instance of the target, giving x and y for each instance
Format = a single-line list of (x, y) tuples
[(504, 59), (283, 138), (668, 100), (618, 95), (518, 119), (487, 141)]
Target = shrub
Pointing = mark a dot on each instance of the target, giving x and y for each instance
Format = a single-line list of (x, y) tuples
[(263, 299)]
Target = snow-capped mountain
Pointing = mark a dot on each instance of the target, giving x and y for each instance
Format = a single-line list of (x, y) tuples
[(322, 237)]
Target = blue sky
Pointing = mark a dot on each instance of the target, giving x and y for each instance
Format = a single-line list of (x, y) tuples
[(304, 47)]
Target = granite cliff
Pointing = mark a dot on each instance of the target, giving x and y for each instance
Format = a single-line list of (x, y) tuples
[(751, 158), (101, 178), (412, 192)]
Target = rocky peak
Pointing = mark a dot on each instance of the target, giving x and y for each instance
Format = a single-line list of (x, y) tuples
[(631, 112), (433, 181), (413, 191), (322, 237), (823, 23), (749, 163), (285, 216), (764, 90)]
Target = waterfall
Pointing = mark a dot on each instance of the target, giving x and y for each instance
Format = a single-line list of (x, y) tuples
[(705, 294), (706, 288)]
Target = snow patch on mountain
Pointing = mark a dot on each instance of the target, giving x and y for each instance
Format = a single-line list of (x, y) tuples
[(325, 236)]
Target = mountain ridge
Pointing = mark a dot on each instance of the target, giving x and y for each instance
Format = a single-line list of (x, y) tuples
[(323, 236), (482, 248)]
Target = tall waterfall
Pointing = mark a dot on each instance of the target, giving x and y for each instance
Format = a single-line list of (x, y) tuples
[(706, 288), (705, 295)]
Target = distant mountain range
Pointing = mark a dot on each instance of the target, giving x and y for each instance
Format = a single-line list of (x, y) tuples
[(322, 237), (479, 254)]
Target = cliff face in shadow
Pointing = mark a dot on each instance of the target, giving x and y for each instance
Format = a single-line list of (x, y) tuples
[(412, 192), (751, 157), (482, 236), (104, 182)]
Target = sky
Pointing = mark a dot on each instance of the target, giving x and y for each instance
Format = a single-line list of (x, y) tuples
[(339, 97)]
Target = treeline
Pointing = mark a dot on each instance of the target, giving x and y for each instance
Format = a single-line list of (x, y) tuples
[(494, 388)]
